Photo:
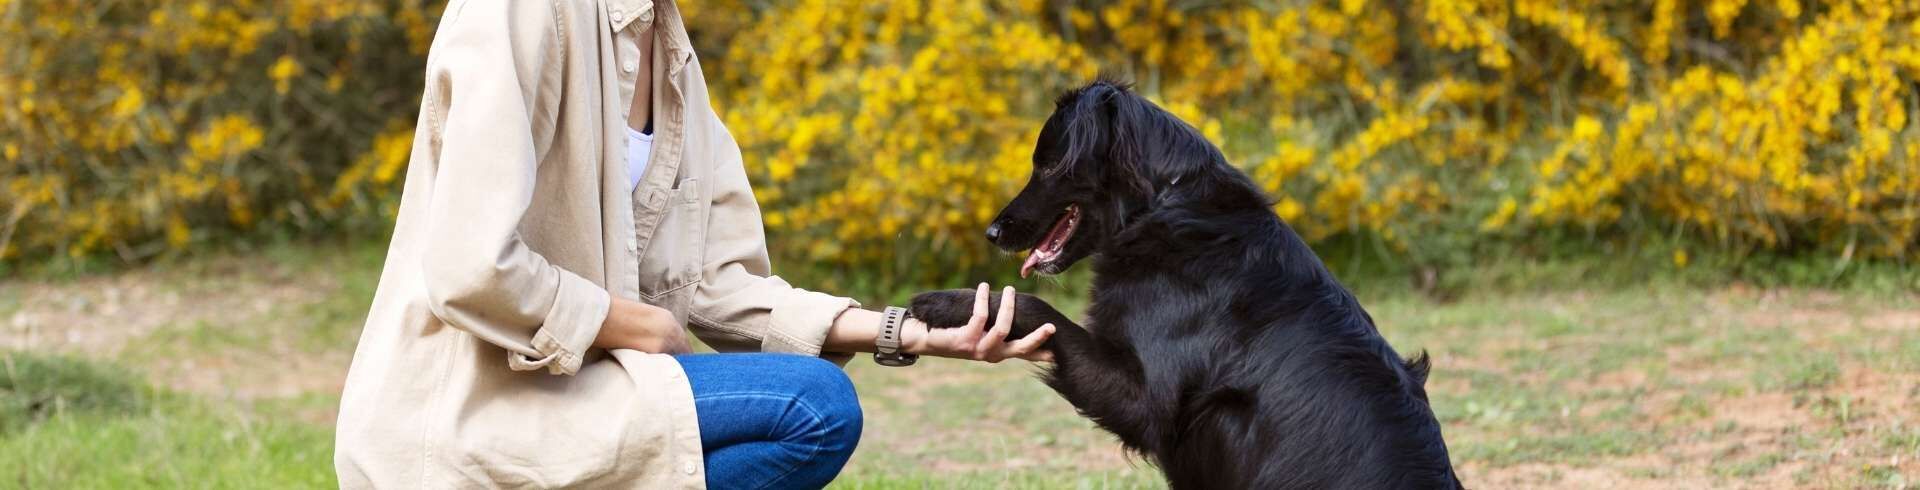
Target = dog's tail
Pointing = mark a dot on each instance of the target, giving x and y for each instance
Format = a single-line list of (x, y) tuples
[(1418, 366)]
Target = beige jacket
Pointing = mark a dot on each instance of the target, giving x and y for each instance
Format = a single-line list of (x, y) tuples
[(516, 227)]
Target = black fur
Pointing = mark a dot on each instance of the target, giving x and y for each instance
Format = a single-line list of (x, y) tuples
[(1218, 344)]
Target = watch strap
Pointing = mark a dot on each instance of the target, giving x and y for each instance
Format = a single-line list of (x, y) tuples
[(887, 346)]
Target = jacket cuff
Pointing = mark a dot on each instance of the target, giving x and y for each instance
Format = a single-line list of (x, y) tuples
[(579, 309), (799, 323)]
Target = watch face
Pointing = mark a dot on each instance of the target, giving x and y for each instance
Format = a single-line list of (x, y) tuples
[(896, 360)]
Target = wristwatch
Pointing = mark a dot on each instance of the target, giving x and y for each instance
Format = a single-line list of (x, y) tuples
[(893, 319)]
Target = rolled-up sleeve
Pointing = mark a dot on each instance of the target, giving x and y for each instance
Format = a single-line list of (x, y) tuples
[(738, 295), (500, 101)]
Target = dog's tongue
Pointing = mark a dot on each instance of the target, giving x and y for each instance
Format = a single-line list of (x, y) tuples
[(1033, 258)]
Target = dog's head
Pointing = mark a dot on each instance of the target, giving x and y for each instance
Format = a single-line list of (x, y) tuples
[(1100, 160)]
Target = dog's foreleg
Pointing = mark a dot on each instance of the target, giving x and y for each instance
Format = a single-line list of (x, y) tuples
[(1104, 382)]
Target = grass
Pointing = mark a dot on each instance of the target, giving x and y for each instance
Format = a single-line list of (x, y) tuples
[(228, 375), (73, 423)]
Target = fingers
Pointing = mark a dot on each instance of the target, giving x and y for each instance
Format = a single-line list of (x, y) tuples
[(684, 344), (978, 322), (1029, 347), (978, 341), (992, 344), (674, 343)]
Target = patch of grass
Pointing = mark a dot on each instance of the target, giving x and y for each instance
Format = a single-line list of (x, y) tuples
[(199, 337), (956, 424), (34, 388), (1842, 409), (1575, 443), (9, 299), (1580, 265), (89, 425), (1747, 468), (1799, 372), (335, 320), (996, 480), (1902, 438), (1910, 354), (328, 322), (1884, 476), (177, 444), (1691, 407)]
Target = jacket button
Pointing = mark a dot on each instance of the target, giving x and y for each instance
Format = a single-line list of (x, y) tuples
[(646, 15), (617, 16), (628, 67), (687, 467)]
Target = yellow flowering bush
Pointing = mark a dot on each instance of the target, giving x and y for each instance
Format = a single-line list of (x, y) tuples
[(882, 136), (137, 126), (889, 132)]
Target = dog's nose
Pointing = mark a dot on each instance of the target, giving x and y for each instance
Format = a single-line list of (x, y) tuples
[(993, 233)]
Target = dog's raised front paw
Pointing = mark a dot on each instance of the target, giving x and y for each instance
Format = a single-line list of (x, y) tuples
[(954, 307), (944, 309)]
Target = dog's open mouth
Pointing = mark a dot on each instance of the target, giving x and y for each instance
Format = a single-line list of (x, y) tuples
[(1056, 240)]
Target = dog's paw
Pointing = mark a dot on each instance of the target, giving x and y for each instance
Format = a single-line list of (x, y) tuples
[(944, 309), (954, 307)]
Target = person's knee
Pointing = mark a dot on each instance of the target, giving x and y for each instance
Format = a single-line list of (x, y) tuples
[(830, 393)]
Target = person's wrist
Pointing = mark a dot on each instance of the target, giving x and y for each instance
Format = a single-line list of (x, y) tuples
[(913, 337), (652, 317), (617, 330)]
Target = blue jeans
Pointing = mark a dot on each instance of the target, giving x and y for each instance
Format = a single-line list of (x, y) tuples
[(772, 420)]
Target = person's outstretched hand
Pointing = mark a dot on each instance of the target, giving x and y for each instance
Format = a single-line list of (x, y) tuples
[(975, 340)]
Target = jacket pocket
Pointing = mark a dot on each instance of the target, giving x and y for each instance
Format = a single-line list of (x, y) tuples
[(674, 256)]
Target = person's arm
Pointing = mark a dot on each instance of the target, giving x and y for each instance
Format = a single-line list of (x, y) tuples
[(478, 275), (738, 296), (856, 330)]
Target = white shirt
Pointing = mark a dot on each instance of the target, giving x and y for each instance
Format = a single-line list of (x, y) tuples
[(639, 149)]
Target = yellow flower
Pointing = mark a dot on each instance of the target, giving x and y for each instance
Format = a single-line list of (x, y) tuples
[(282, 73), (1500, 217), (178, 234), (131, 100)]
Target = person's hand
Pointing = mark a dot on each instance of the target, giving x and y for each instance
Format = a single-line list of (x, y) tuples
[(642, 327), (975, 340)]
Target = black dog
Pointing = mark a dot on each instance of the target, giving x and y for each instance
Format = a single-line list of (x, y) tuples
[(1219, 346)]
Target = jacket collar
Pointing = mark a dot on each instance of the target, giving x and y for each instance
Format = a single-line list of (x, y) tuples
[(623, 12), (665, 16)]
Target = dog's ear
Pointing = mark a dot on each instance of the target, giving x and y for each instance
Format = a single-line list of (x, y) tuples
[(1104, 124), (1086, 135)]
